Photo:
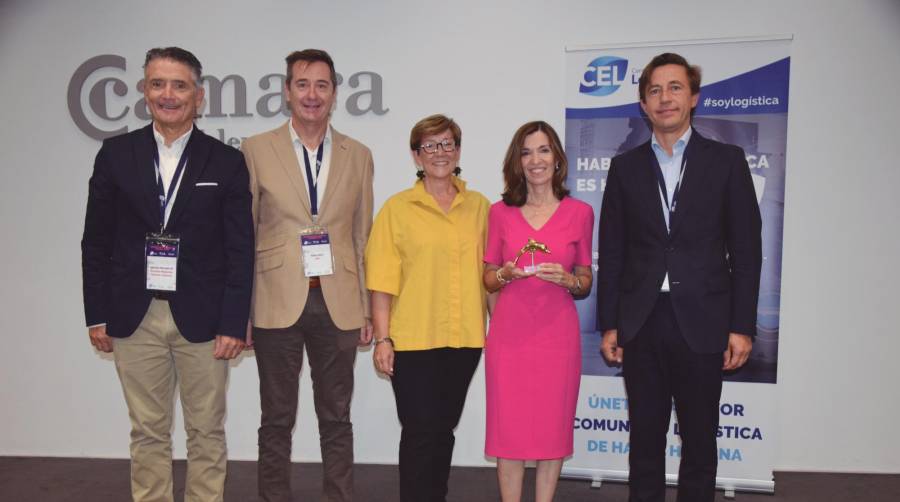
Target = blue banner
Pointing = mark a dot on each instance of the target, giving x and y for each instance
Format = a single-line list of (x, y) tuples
[(744, 102)]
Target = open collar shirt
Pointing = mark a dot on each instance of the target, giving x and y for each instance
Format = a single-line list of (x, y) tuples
[(321, 179), (168, 163), (432, 264), (671, 169)]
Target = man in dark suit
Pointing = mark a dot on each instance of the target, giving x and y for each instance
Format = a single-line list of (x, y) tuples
[(679, 257), (167, 259)]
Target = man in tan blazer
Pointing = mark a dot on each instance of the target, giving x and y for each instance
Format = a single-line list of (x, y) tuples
[(308, 180)]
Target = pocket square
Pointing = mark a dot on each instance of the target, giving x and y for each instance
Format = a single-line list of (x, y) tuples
[(207, 184)]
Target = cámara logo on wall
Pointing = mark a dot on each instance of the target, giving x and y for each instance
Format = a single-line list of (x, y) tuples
[(603, 76), (98, 98)]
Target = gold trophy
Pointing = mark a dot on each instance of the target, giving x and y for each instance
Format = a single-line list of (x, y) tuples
[(530, 248)]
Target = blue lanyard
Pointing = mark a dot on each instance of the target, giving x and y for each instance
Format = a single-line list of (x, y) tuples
[(313, 196), (165, 198), (662, 184)]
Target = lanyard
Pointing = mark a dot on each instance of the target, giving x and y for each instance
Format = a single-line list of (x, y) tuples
[(313, 197), (670, 207), (166, 198)]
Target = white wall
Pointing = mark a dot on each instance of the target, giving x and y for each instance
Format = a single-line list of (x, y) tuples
[(491, 65)]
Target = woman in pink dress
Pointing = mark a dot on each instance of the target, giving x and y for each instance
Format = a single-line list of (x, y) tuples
[(533, 349)]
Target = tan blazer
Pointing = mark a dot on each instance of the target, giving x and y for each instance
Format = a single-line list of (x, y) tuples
[(281, 210)]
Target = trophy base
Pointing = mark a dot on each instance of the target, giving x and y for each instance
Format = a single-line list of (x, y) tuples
[(530, 269)]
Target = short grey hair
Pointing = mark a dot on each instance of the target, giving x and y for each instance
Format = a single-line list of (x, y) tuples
[(180, 55)]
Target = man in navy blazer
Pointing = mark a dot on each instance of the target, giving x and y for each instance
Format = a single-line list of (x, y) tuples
[(170, 322), (678, 280)]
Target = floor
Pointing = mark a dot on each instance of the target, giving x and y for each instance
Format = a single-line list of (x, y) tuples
[(30, 479)]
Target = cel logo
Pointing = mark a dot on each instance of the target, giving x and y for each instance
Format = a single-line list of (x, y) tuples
[(603, 76)]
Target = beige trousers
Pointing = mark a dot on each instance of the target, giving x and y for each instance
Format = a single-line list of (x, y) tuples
[(150, 363)]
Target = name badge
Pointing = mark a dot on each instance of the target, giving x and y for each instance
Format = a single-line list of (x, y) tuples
[(316, 252), (161, 256)]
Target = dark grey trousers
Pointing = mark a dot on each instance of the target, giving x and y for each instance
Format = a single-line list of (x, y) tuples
[(279, 357)]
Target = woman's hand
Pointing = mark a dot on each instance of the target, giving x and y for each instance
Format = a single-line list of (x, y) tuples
[(511, 272), (383, 356), (495, 278), (555, 273)]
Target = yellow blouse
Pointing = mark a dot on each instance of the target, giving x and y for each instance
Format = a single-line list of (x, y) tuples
[(432, 263)]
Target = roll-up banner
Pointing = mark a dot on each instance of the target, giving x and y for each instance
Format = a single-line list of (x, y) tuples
[(743, 101)]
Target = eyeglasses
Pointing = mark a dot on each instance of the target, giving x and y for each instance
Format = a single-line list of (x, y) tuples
[(448, 145)]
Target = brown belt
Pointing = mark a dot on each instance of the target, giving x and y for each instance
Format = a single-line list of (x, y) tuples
[(314, 282)]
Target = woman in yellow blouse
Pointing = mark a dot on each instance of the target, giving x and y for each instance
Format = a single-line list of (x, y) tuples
[(424, 262)]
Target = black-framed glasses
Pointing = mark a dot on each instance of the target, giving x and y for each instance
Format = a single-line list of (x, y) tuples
[(447, 145)]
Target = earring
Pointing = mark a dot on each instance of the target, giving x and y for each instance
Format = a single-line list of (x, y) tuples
[(557, 166)]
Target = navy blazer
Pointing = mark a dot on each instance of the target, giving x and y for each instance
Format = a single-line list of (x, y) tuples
[(713, 254), (213, 220)]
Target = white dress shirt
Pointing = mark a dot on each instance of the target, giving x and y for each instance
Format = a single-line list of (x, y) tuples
[(321, 179), (168, 163)]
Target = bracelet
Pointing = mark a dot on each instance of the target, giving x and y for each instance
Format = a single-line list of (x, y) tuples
[(500, 279), (577, 287), (386, 339)]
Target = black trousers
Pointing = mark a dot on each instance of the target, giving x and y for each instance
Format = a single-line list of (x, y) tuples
[(658, 367), (430, 388), (279, 356)]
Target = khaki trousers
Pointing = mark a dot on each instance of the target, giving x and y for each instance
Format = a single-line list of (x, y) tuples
[(150, 363)]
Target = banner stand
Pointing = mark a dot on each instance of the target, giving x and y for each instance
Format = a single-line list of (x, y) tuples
[(743, 101)]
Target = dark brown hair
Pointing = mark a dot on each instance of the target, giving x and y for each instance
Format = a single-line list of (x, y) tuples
[(693, 72), (309, 56), (177, 54), (515, 192)]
